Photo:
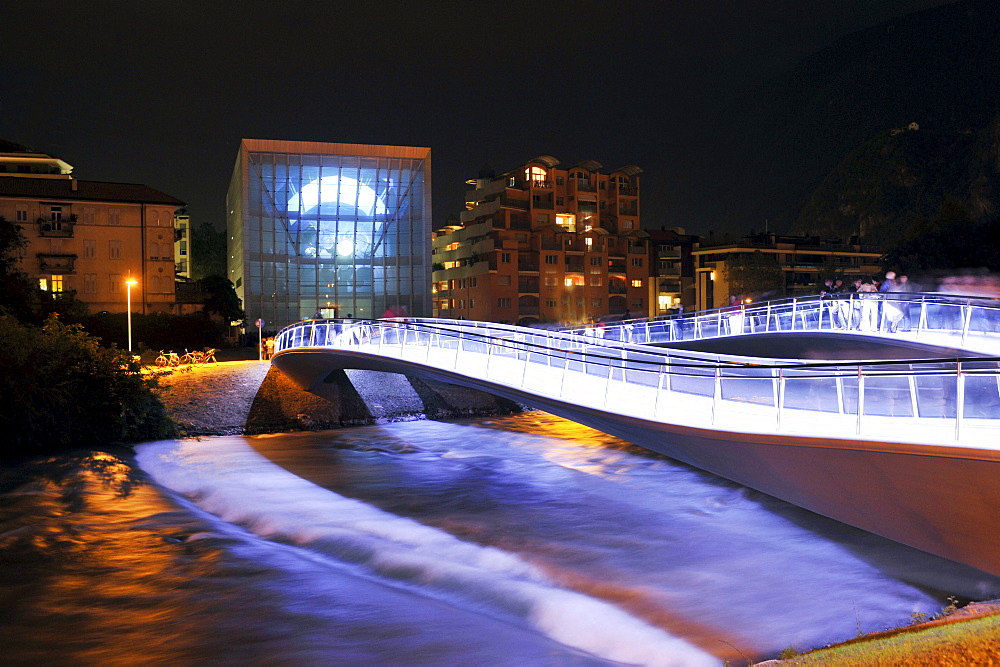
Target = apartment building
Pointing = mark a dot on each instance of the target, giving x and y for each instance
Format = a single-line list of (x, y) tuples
[(545, 244), (88, 237), (804, 263)]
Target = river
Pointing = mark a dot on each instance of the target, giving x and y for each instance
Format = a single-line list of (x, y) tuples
[(517, 540)]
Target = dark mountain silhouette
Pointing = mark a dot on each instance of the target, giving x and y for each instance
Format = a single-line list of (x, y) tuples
[(813, 151)]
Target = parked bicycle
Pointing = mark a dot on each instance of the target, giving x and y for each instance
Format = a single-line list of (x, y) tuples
[(170, 358)]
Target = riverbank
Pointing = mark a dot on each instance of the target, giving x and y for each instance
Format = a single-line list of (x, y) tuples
[(966, 636)]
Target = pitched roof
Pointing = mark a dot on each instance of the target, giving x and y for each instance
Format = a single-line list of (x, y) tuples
[(62, 189)]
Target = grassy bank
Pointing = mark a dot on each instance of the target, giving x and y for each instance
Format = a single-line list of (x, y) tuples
[(970, 636)]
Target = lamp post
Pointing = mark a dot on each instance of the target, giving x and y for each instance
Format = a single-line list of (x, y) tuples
[(129, 283)]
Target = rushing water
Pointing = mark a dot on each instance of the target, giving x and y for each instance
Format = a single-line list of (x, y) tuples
[(521, 540)]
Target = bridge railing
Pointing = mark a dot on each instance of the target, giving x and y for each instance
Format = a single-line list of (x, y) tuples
[(935, 401), (920, 315)]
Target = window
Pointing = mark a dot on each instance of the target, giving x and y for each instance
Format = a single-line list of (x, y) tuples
[(90, 283), (472, 304), (559, 180), (505, 257), (542, 219), (503, 302), (571, 281), (637, 261), (595, 281), (637, 304), (43, 284), (184, 248), (114, 249), (536, 175), (550, 303), (503, 280), (551, 281), (154, 284), (114, 216), (21, 215), (445, 304), (89, 216), (626, 224), (596, 261), (595, 270), (636, 283), (595, 303), (115, 283), (552, 259), (55, 213)]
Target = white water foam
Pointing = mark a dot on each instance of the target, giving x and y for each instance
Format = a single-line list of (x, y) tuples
[(228, 478)]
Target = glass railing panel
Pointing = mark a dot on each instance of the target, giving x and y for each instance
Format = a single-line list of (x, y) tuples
[(643, 369), (816, 390), (888, 396), (692, 379), (748, 385)]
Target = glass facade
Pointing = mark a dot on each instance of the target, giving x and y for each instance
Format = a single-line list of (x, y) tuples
[(339, 229)]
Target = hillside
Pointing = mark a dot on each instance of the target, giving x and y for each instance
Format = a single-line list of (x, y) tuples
[(899, 180), (935, 68)]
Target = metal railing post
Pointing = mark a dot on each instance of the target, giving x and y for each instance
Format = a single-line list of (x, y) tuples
[(967, 308), (861, 400), (767, 328), (959, 399), (779, 397), (795, 303), (717, 393), (922, 322)]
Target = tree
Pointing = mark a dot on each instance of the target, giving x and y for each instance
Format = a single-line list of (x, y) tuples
[(756, 274), (18, 294), (208, 251), (222, 298)]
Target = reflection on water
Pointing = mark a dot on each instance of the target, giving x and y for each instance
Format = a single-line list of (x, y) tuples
[(501, 541)]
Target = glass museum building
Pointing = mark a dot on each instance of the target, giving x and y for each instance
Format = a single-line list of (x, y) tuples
[(343, 230)]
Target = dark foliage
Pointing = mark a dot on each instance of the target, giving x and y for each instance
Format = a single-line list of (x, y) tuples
[(157, 331), (208, 251), (59, 388)]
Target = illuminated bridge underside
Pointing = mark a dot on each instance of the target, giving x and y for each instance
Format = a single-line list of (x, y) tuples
[(900, 478)]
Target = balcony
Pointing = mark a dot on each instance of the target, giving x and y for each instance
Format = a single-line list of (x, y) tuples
[(547, 185), (527, 286), (584, 186), (56, 263), (616, 267), (56, 228), (629, 192)]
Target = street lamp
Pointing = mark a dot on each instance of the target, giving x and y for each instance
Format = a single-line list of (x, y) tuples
[(129, 283)]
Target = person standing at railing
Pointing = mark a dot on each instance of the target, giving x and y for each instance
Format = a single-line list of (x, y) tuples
[(892, 312), (868, 297), (734, 313)]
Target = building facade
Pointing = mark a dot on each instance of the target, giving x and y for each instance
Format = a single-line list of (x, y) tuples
[(804, 263), (182, 244), (339, 229), (86, 238), (542, 244), (672, 286)]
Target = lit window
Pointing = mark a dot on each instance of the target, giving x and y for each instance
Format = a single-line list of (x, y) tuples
[(567, 221), (56, 283), (43, 284), (536, 175), (589, 241), (636, 283)]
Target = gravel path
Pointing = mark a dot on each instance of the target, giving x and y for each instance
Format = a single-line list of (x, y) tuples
[(211, 399)]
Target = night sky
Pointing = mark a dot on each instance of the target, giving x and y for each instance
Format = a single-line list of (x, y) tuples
[(160, 93)]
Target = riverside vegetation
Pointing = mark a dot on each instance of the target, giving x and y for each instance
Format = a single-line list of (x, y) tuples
[(59, 388)]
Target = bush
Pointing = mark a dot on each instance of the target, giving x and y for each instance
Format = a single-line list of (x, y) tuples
[(59, 388)]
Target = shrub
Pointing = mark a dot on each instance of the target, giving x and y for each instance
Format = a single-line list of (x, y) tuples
[(59, 388)]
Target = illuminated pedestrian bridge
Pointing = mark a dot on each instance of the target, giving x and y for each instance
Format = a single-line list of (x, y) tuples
[(884, 445)]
